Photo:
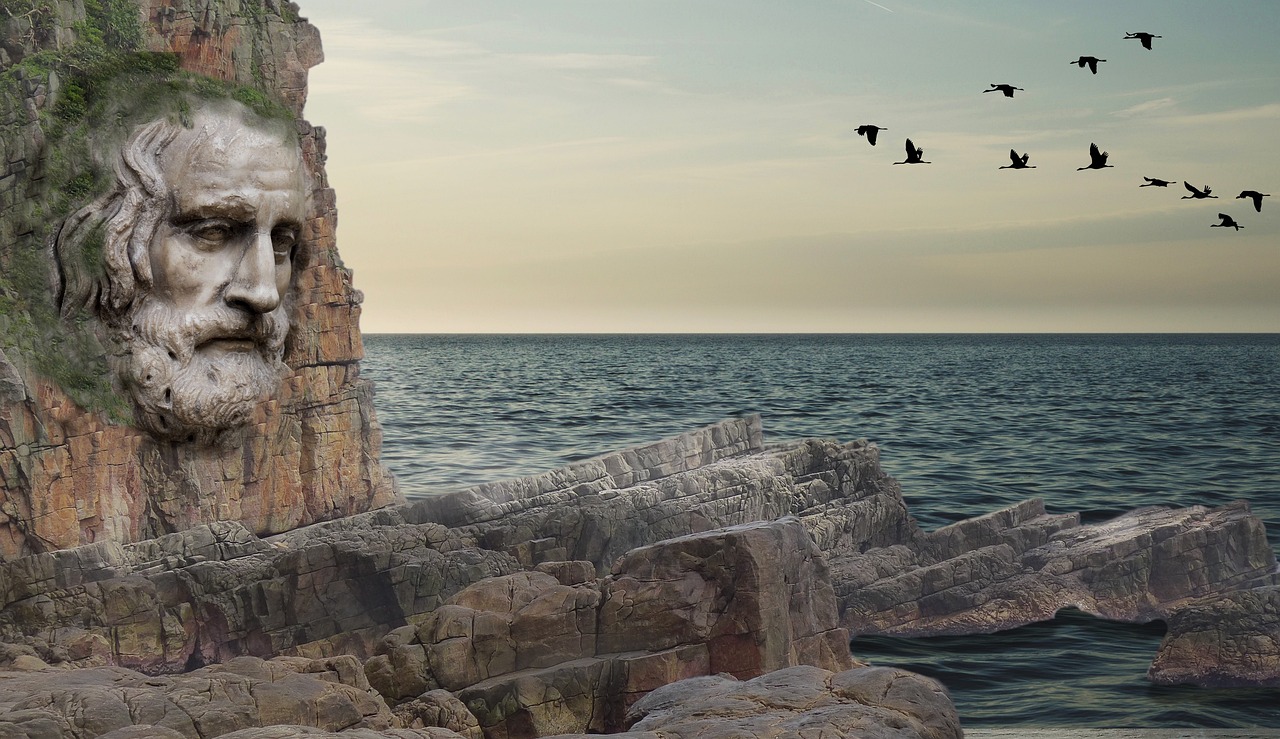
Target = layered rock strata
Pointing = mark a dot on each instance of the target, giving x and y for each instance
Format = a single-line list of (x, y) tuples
[(1231, 640), (1019, 566), (72, 476), (243, 693), (866, 702), (750, 559), (557, 650)]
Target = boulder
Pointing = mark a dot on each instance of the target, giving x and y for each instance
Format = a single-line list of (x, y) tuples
[(439, 709), (246, 692), (758, 595), (1231, 640), (866, 702), (1020, 565)]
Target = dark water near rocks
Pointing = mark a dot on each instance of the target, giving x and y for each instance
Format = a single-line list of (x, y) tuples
[(1098, 424)]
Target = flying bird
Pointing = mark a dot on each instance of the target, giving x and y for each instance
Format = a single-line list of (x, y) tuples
[(1155, 182), (870, 132), (1018, 162), (1142, 36), (1092, 61), (1006, 89), (914, 155), (1227, 222), (1255, 196), (1197, 194), (1098, 159)]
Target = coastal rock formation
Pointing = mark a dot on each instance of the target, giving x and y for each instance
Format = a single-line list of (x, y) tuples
[(702, 585), (1019, 566), (867, 702), (1231, 640), (72, 470), (755, 559), (555, 650), (245, 692)]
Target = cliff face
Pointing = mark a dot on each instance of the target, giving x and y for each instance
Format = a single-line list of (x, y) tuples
[(74, 472)]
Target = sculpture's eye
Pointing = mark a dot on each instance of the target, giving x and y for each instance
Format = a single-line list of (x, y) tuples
[(283, 240), (212, 231)]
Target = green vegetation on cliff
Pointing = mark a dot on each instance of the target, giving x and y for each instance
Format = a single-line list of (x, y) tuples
[(73, 88)]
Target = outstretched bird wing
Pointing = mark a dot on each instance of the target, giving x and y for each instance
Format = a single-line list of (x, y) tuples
[(911, 149), (1190, 187), (1013, 156)]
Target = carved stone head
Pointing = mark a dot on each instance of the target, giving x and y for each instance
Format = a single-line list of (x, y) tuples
[(198, 239)]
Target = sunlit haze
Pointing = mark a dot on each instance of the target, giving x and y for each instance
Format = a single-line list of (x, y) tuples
[(663, 166)]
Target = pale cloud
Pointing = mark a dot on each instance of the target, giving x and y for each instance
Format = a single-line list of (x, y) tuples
[(577, 61), (359, 37), (1147, 107), (388, 92), (1235, 115)]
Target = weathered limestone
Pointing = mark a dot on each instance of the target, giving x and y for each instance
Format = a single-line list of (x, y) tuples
[(1231, 640), (758, 595), (379, 585), (601, 508), (216, 592), (867, 702), (1019, 566), (245, 692), (535, 652), (69, 476)]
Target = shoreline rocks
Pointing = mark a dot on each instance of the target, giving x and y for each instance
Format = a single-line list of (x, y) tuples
[(746, 560)]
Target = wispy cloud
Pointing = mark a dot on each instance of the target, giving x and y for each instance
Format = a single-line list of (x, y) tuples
[(358, 37), (1147, 107), (388, 92), (1235, 115), (578, 61)]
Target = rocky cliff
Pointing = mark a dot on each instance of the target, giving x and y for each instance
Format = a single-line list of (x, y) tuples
[(72, 468), (555, 604)]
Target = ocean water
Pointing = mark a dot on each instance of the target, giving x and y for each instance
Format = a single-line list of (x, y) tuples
[(1098, 424)]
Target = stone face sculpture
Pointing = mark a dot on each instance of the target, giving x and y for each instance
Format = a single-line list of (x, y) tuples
[(262, 415), (199, 235)]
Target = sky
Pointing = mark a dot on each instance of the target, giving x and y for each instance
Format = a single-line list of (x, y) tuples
[(564, 166)]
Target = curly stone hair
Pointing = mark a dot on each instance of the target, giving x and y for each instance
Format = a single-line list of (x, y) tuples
[(121, 223), (101, 250)]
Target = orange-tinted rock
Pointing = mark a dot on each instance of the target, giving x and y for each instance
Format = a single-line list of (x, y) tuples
[(69, 476)]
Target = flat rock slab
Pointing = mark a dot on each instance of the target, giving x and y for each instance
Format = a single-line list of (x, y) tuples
[(865, 702), (1227, 641), (1121, 733)]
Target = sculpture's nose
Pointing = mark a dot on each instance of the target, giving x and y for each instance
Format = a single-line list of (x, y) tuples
[(253, 286)]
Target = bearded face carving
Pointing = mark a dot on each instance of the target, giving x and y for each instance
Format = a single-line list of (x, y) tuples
[(199, 237)]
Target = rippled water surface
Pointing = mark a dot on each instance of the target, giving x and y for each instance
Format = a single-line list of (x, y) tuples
[(1098, 424)]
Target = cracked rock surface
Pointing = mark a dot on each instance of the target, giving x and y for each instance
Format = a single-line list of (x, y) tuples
[(866, 702)]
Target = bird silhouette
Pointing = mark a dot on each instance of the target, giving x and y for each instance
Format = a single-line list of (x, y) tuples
[(1006, 89), (1098, 159), (914, 155), (1155, 182), (1092, 61), (1255, 196), (870, 132), (1197, 194), (1227, 222), (1018, 162), (1142, 36)]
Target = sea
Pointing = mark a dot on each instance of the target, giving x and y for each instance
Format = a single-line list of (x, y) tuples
[(1097, 424)]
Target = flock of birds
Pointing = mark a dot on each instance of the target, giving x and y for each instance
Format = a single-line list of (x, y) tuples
[(1097, 157)]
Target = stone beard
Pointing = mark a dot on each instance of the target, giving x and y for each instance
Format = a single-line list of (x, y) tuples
[(199, 240)]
